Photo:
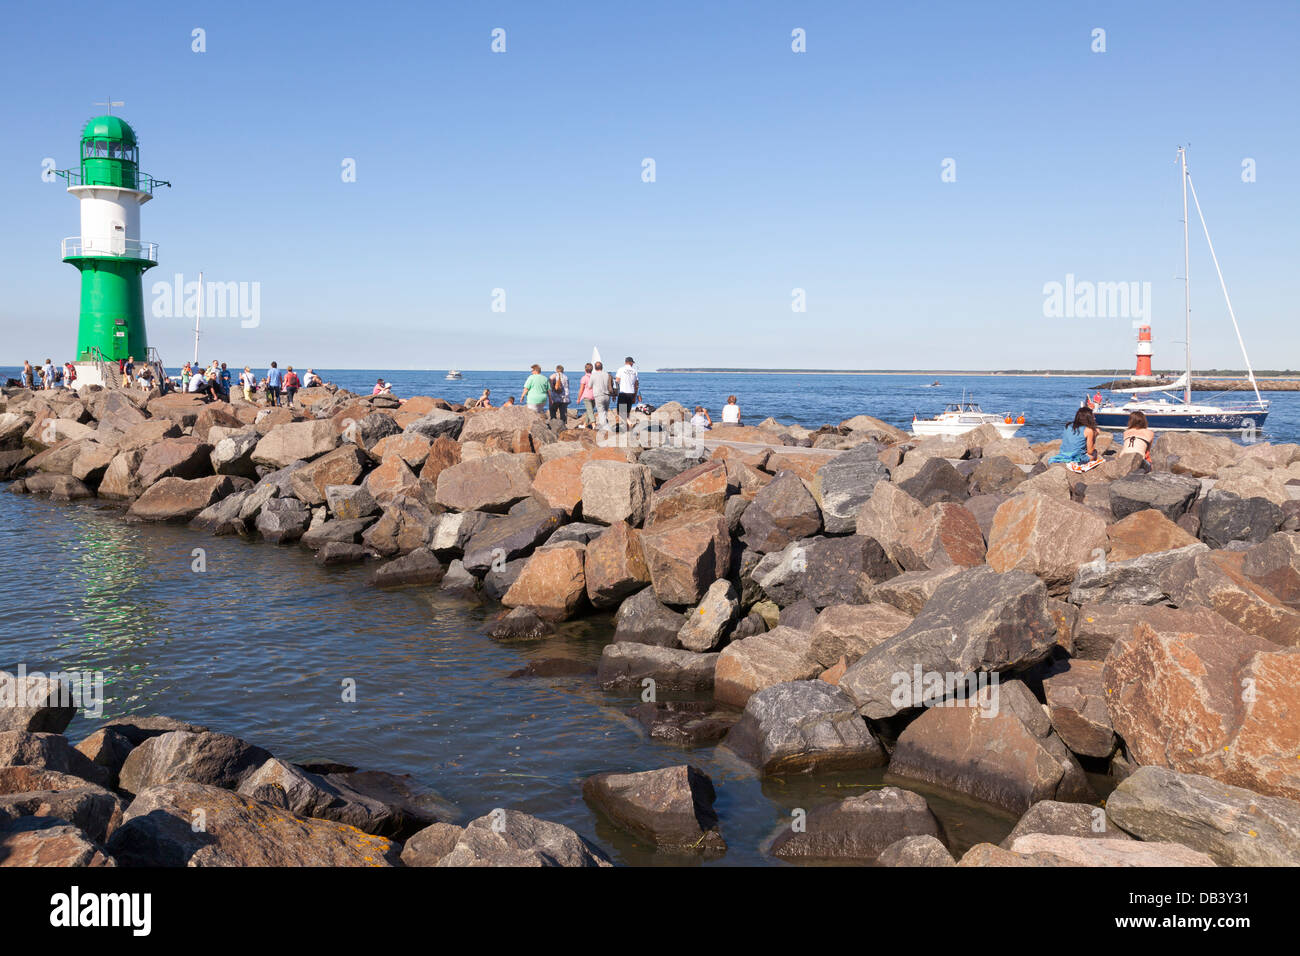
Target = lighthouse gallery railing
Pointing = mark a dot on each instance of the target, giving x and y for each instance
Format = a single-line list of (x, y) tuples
[(107, 246)]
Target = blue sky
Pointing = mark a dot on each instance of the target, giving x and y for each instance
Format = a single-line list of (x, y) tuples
[(774, 170)]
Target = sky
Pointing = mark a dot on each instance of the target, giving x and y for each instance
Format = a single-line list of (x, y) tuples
[(922, 172)]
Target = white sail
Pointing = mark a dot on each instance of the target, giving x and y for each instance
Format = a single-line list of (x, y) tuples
[(1171, 386), (595, 355)]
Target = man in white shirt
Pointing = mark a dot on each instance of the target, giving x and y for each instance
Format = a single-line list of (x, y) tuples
[(629, 387)]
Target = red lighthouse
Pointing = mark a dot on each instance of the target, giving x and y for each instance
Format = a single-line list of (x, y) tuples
[(1143, 369)]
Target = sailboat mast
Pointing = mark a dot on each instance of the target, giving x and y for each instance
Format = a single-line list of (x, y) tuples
[(1187, 284)]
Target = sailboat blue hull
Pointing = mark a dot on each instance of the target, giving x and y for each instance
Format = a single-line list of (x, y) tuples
[(1223, 421)]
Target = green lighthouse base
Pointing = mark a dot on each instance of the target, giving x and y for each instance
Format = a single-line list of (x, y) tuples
[(112, 308)]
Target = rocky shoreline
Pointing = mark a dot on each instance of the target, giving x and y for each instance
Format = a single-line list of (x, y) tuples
[(952, 610)]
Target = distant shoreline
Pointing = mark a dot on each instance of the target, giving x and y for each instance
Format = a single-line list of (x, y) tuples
[(1291, 376)]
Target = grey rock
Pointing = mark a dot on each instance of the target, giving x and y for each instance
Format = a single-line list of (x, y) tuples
[(1225, 518), (804, 727), (669, 808), (1169, 494), (859, 828), (916, 851), (627, 665), (644, 619), (1135, 581)]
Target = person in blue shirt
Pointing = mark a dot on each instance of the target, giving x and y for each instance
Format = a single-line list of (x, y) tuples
[(1079, 440), (224, 378), (274, 379)]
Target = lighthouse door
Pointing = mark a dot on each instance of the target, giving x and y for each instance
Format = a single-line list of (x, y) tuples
[(117, 241)]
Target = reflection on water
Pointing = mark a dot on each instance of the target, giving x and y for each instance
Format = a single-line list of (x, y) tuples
[(260, 644)]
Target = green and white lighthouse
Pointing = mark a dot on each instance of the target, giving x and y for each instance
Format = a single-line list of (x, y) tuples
[(109, 253)]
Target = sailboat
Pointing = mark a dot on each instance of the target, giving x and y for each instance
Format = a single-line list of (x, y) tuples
[(1182, 414)]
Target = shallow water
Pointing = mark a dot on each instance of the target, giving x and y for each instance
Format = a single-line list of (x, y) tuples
[(258, 645)]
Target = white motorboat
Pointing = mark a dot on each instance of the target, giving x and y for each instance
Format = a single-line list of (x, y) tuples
[(453, 375), (958, 418)]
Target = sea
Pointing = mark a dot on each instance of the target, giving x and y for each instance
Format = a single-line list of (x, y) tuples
[(258, 641)]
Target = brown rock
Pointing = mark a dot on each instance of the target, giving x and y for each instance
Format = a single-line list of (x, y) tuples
[(615, 565), (888, 515), (443, 453), (702, 488), (783, 512), (1143, 532), (747, 666), (1201, 696), (184, 457), (1214, 579), (489, 484), (1045, 536), (685, 555), (342, 466), (178, 499), (844, 632), (945, 535), (289, 442), (552, 584), (1076, 704), (615, 491)]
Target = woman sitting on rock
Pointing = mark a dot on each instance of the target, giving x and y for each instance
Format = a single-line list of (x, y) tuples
[(1079, 441), (1138, 436)]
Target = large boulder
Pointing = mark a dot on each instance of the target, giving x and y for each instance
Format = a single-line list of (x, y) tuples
[(843, 485), (510, 838), (1076, 705), (615, 566), (217, 760), (1132, 581), (1195, 694), (615, 491), (1145, 532), (1226, 518), (977, 621), (505, 427), (32, 792), (937, 480), (626, 665), (850, 630), (702, 488), (1232, 825), (504, 539), (643, 619), (283, 520), (782, 512), (406, 524), (747, 666), (708, 624), (39, 841), (294, 441), (159, 829), (437, 423), (44, 751), (184, 457), (945, 535), (417, 568), (685, 555), (1214, 579), (179, 499), (1064, 819), (1000, 751), (342, 466), (1082, 851), (552, 584), (233, 454), (36, 703), (888, 515), (672, 807), (312, 795), (910, 590), (1171, 495), (804, 726), (1192, 453), (857, 829), (1046, 537), (824, 571), (454, 530), (489, 484)]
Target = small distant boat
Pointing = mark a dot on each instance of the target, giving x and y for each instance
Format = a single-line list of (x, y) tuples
[(453, 375), (958, 418), (933, 385)]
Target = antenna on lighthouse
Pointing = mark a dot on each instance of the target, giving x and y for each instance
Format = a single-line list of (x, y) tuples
[(198, 314), (110, 104)]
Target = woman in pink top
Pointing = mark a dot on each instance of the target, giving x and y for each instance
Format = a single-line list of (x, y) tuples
[(588, 399)]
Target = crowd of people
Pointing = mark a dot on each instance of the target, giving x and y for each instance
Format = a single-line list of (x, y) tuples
[(213, 382), (607, 398)]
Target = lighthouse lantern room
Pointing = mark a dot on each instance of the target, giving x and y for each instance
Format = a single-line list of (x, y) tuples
[(109, 252)]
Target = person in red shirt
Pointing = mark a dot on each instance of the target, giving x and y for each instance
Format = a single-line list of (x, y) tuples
[(291, 384)]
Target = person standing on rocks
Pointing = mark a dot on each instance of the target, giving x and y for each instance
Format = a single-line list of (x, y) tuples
[(28, 374), (248, 380), (601, 387), (274, 382), (559, 396), (291, 385), (47, 375), (629, 388), (587, 399), (223, 377), (536, 391)]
